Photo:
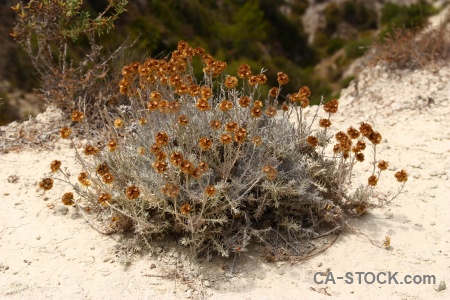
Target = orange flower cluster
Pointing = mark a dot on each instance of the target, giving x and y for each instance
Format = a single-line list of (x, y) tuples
[(344, 144), (383, 165), (257, 79), (302, 97), (271, 172), (67, 199), (368, 132), (312, 141), (185, 209), (83, 178), (244, 71), (132, 192), (102, 169), (210, 191), (55, 165), (104, 199), (77, 116), (90, 150), (401, 176), (230, 82), (46, 184), (332, 106), (282, 78)]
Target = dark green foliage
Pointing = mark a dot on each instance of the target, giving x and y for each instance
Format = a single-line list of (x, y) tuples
[(356, 48), (411, 16)]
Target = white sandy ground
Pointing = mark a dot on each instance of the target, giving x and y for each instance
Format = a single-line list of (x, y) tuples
[(49, 252)]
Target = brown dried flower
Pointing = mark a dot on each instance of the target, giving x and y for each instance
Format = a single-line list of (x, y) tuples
[(256, 112), (77, 116), (225, 139), (324, 123), (46, 184), (142, 121), (360, 157), (210, 191), (66, 132), (230, 82), (365, 129), (271, 172), (273, 92), (55, 165), (102, 169), (152, 105), (240, 135), (132, 192), (206, 92), (205, 143), (203, 104), (185, 209), (183, 120), (104, 198), (285, 107), (162, 138), (67, 199), (155, 148), (282, 78), (225, 105), (312, 141), (164, 106), (176, 158), (383, 165), (215, 124), (257, 140), (244, 101), (83, 179), (108, 178), (90, 150), (353, 133), (332, 106), (186, 166), (373, 180), (401, 176), (118, 123), (271, 111), (375, 137), (231, 126), (160, 166), (244, 71)]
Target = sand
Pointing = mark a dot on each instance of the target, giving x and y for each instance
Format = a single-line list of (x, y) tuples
[(48, 251)]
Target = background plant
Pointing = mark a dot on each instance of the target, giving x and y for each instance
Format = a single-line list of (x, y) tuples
[(214, 164)]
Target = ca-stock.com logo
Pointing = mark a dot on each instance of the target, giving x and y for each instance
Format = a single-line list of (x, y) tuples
[(372, 278)]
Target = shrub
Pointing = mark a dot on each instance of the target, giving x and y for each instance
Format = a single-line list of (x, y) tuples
[(412, 49), (216, 166), (411, 16), (357, 48)]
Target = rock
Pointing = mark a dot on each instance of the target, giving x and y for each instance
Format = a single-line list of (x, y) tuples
[(188, 293), (207, 283), (152, 266), (440, 287)]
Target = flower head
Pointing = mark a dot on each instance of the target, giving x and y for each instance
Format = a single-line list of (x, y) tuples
[(401, 176), (282, 78), (104, 199), (90, 150), (331, 107), (77, 116), (132, 192), (67, 199), (353, 133), (240, 135), (225, 105), (210, 191), (256, 111), (373, 180), (244, 101), (312, 141), (65, 132), (226, 139), (185, 209), (271, 111), (102, 169), (84, 179), (160, 166), (383, 165), (257, 140), (203, 104), (230, 82), (231, 126), (171, 190), (324, 123), (176, 158), (46, 184), (205, 143), (108, 178), (215, 124), (162, 138), (183, 120), (118, 123), (55, 165)]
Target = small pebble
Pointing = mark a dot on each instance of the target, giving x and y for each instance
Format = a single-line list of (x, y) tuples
[(319, 265), (207, 283), (432, 223), (440, 287), (152, 266), (38, 237), (92, 247), (188, 293)]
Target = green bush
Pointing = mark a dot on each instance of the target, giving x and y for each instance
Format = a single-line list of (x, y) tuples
[(411, 16)]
